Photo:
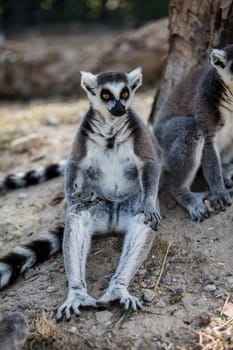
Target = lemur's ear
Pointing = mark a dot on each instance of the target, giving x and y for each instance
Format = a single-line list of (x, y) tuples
[(135, 78), (218, 58), (89, 82)]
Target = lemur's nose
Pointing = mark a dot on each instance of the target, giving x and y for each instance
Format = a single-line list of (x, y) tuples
[(118, 109)]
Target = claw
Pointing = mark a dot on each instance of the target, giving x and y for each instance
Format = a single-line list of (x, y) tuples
[(72, 304), (121, 294)]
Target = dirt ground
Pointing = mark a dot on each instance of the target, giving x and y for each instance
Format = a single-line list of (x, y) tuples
[(197, 277)]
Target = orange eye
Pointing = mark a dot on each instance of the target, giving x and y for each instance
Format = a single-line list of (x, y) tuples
[(105, 96), (125, 94)]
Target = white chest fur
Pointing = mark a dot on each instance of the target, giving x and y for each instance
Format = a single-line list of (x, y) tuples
[(224, 137), (116, 170), (111, 171)]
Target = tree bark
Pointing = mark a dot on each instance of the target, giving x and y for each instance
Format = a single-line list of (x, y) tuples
[(195, 26)]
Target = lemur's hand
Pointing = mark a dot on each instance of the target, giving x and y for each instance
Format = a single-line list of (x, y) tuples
[(151, 213), (219, 200), (85, 196)]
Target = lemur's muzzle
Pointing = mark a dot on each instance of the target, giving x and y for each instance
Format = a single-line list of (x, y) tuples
[(118, 109)]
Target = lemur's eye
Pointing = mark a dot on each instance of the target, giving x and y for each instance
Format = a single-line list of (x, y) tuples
[(105, 96), (125, 94)]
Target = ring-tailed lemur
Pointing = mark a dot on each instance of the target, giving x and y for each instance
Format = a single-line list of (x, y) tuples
[(194, 128), (13, 331), (111, 183), (32, 177)]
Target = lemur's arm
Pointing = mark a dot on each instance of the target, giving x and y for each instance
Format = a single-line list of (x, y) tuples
[(212, 171), (149, 176), (74, 179)]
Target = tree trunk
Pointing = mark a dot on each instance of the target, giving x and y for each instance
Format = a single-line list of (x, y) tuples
[(195, 27)]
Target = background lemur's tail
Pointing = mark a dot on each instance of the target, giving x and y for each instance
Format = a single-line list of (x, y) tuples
[(32, 177), (23, 257)]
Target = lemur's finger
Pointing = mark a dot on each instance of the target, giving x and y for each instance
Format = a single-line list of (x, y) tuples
[(76, 310), (126, 302), (68, 314), (59, 316), (134, 304)]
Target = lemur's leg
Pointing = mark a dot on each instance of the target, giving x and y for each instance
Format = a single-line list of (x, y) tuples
[(212, 170), (137, 243), (183, 142), (79, 229)]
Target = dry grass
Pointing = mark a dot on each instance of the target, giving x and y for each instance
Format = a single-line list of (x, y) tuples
[(27, 116), (44, 332), (217, 336), (6, 137)]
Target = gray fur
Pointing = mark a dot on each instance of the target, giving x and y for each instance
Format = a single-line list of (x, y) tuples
[(194, 129), (13, 331), (109, 188)]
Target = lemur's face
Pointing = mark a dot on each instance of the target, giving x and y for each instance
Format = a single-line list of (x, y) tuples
[(222, 60), (111, 93)]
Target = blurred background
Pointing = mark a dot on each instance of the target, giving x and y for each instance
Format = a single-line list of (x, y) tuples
[(44, 44), (26, 14)]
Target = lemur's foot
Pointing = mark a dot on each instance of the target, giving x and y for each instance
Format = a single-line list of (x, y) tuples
[(197, 209), (76, 298), (151, 215), (120, 293), (219, 200)]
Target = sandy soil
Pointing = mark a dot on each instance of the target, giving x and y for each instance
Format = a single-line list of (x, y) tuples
[(196, 281)]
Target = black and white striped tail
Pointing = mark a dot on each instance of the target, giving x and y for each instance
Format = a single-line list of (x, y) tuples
[(22, 258), (32, 177)]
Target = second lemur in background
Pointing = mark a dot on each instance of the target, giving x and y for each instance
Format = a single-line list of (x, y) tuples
[(194, 128)]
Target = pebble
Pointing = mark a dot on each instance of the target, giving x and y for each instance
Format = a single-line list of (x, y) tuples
[(52, 121), (103, 316), (230, 279), (148, 295), (52, 289), (210, 288), (161, 304), (156, 272), (22, 195), (166, 279), (218, 293)]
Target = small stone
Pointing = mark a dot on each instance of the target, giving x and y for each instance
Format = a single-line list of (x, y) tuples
[(52, 121), (148, 295), (161, 304), (218, 293), (156, 272), (210, 288), (12, 294), (103, 316), (22, 195), (74, 330), (230, 280), (52, 289), (167, 279)]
